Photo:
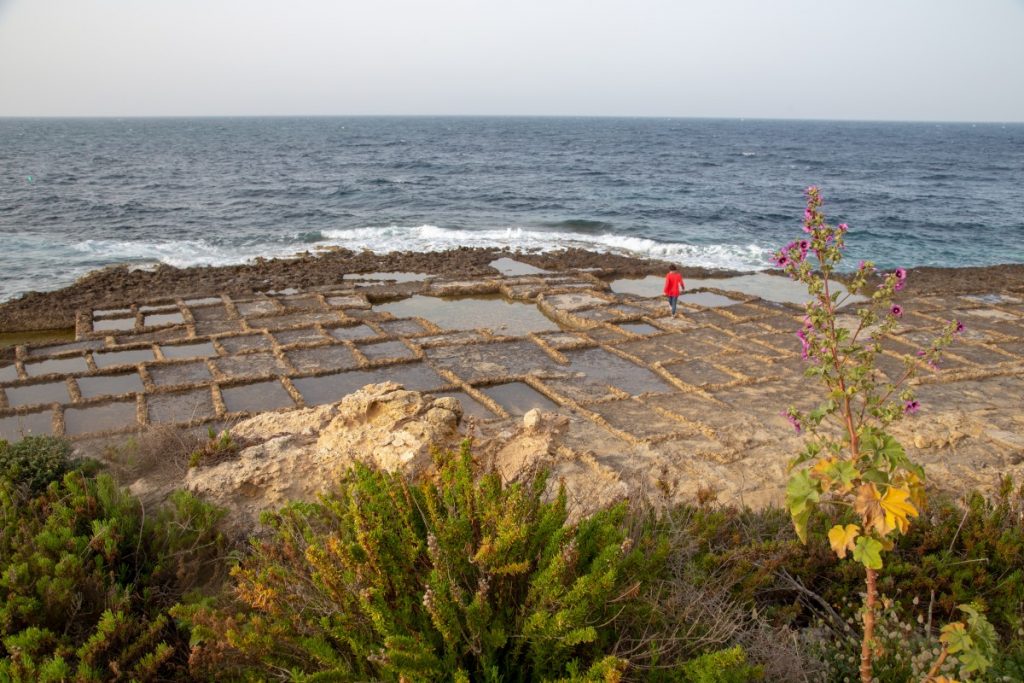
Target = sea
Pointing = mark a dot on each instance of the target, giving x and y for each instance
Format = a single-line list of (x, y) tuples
[(79, 194)]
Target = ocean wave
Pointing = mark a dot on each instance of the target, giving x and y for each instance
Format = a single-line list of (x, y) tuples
[(422, 238), (746, 257)]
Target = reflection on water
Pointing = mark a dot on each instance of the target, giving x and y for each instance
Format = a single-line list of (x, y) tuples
[(777, 288), (17, 338), (512, 268), (493, 312), (392, 277), (519, 398)]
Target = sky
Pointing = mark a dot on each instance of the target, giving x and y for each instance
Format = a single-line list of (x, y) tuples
[(917, 60)]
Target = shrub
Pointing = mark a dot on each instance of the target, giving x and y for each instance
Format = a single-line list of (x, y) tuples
[(35, 461), (86, 579), (450, 579), (722, 666)]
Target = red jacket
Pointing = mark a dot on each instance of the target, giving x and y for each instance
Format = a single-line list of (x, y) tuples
[(673, 283)]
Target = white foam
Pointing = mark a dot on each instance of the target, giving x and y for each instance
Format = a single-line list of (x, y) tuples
[(68, 262), (433, 238)]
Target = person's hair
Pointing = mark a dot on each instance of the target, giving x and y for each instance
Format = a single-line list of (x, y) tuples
[(672, 267)]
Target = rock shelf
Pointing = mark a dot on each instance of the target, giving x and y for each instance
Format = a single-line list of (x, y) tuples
[(685, 402)]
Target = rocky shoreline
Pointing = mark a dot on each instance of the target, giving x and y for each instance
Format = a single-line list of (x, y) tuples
[(113, 286)]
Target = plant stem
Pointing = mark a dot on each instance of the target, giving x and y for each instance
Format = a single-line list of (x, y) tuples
[(928, 677), (869, 627)]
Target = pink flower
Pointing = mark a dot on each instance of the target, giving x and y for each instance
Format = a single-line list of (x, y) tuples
[(804, 344), (843, 227), (959, 327), (901, 274), (898, 286), (792, 420), (896, 310), (911, 407)]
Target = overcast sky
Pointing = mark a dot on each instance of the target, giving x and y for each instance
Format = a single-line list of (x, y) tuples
[(943, 60)]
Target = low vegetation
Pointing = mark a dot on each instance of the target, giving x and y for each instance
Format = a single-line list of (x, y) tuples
[(463, 577)]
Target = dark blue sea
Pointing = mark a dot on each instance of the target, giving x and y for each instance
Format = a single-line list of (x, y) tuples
[(77, 194)]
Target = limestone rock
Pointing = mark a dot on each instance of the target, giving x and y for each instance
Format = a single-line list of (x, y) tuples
[(298, 454)]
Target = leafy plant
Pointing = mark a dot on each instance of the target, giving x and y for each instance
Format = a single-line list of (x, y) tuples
[(217, 447), (86, 579), (853, 462), (451, 579), (35, 461)]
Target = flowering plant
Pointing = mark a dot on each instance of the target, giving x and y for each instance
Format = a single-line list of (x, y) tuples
[(849, 459)]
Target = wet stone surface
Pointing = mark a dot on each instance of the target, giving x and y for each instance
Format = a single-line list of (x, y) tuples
[(243, 343), (180, 407), (250, 365), (200, 350), (337, 357), (173, 374)]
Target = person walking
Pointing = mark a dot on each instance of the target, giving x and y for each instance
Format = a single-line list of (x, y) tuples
[(673, 287)]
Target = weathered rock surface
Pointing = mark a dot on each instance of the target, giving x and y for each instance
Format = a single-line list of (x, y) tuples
[(297, 454)]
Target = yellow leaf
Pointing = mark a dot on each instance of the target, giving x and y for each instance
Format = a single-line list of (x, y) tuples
[(867, 505), (841, 538), (818, 472), (898, 509)]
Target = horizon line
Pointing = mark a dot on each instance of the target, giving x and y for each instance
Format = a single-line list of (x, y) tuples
[(509, 116)]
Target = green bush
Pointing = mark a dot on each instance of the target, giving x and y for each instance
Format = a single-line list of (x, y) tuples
[(86, 579), (722, 666), (35, 461), (450, 579)]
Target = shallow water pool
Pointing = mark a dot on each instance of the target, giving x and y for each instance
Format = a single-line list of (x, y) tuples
[(494, 312)]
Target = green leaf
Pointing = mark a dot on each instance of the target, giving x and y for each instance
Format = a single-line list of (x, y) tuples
[(868, 552), (801, 493), (843, 471)]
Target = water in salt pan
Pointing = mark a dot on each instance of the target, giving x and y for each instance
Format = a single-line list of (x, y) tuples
[(777, 288), (111, 385), (110, 359), (512, 268), (519, 398), (200, 350), (388, 277), (256, 398), (38, 394), (16, 427), (107, 417), (113, 325), (163, 319), (330, 388), (8, 373), (493, 312), (470, 406), (35, 337), (61, 365)]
